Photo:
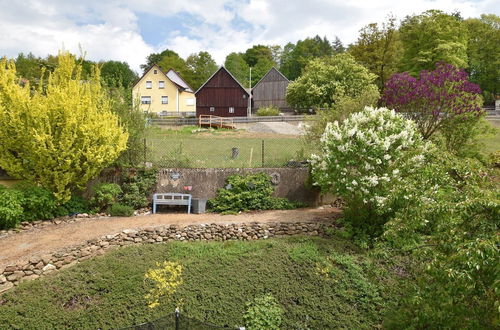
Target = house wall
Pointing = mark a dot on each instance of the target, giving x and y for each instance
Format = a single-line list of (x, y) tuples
[(170, 90), (222, 92), (270, 91)]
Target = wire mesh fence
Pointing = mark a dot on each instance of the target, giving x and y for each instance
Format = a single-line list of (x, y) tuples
[(190, 147), (176, 321)]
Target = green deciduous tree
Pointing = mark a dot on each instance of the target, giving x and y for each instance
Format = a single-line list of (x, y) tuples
[(257, 52), (483, 49), (60, 136), (115, 74), (379, 49), (235, 63), (432, 37), (326, 79), (201, 67), (295, 57)]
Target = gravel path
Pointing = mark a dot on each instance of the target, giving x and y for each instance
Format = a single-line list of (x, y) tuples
[(276, 128), (52, 238)]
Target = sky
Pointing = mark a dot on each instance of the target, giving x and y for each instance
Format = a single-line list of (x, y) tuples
[(130, 30)]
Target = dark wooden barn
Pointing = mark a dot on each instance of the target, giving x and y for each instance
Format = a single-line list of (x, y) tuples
[(271, 91), (222, 95)]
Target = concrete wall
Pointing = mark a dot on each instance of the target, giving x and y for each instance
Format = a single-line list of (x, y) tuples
[(290, 183)]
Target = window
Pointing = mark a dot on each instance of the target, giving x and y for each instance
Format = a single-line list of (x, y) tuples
[(155, 71), (161, 84), (212, 109), (146, 99), (149, 84), (164, 100), (190, 101), (231, 109)]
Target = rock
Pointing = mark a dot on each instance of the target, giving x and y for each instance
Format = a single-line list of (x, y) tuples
[(57, 222), (104, 244), (35, 260), (82, 215), (67, 260), (10, 269), (17, 275), (110, 237), (94, 248), (6, 286), (39, 265), (137, 239), (46, 258), (49, 268), (130, 232), (3, 279), (29, 278)]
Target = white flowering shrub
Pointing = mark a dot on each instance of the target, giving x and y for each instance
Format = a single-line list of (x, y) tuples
[(366, 159)]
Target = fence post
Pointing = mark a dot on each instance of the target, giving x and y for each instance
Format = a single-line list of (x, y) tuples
[(177, 318), (262, 153), (145, 151)]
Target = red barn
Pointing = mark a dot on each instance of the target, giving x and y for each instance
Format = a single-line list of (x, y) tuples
[(222, 95)]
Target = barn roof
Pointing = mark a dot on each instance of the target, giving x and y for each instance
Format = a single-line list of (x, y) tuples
[(223, 68), (268, 72)]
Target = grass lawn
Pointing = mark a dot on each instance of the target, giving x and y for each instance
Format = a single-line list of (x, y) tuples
[(491, 143), (321, 284), (211, 149)]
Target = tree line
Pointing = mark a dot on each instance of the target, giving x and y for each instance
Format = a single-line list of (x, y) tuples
[(411, 45)]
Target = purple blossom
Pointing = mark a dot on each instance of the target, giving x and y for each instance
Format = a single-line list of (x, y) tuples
[(435, 97)]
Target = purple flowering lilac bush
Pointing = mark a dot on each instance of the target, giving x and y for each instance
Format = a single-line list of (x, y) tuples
[(436, 99)]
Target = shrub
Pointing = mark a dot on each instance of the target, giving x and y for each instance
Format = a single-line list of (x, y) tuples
[(268, 111), (38, 203), (166, 279), (263, 313), (364, 160), (104, 195), (61, 135), (75, 205), (11, 209), (137, 186), (251, 192), (120, 210)]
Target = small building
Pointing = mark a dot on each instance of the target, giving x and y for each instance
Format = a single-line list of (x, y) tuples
[(165, 94), (222, 95), (271, 91)]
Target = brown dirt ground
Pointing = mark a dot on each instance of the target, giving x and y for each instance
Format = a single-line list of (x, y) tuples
[(52, 238)]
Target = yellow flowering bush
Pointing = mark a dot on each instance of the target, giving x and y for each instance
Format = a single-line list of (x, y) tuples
[(166, 278), (60, 135)]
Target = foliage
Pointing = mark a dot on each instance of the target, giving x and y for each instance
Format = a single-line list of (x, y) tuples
[(37, 203), (484, 40), (137, 185), (11, 207), (324, 80), (167, 277), (379, 49), (133, 119), (250, 192), (59, 137), (432, 37), (117, 74), (75, 205), (295, 57), (268, 111), (104, 195), (434, 100), (236, 64), (257, 52), (263, 313), (343, 107), (201, 67), (108, 292), (120, 210), (338, 46), (364, 160)]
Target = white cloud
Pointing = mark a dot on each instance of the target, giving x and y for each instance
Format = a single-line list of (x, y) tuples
[(110, 29)]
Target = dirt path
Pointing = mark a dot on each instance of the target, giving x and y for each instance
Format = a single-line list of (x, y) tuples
[(52, 238)]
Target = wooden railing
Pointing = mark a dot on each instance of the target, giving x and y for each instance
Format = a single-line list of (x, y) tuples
[(254, 119), (215, 121)]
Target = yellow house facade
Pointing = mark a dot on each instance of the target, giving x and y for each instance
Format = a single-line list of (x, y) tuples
[(164, 94)]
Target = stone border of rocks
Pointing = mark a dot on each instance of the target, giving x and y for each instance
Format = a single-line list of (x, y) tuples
[(42, 265), (30, 225)]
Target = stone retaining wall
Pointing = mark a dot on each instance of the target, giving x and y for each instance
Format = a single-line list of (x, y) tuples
[(42, 265)]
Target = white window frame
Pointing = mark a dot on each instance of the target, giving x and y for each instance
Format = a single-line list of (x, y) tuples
[(212, 109), (149, 84), (164, 100), (161, 84), (155, 71), (190, 101), (145, 99), (231, 109)]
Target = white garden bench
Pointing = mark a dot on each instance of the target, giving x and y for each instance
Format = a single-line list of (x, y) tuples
[(171, 199)]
